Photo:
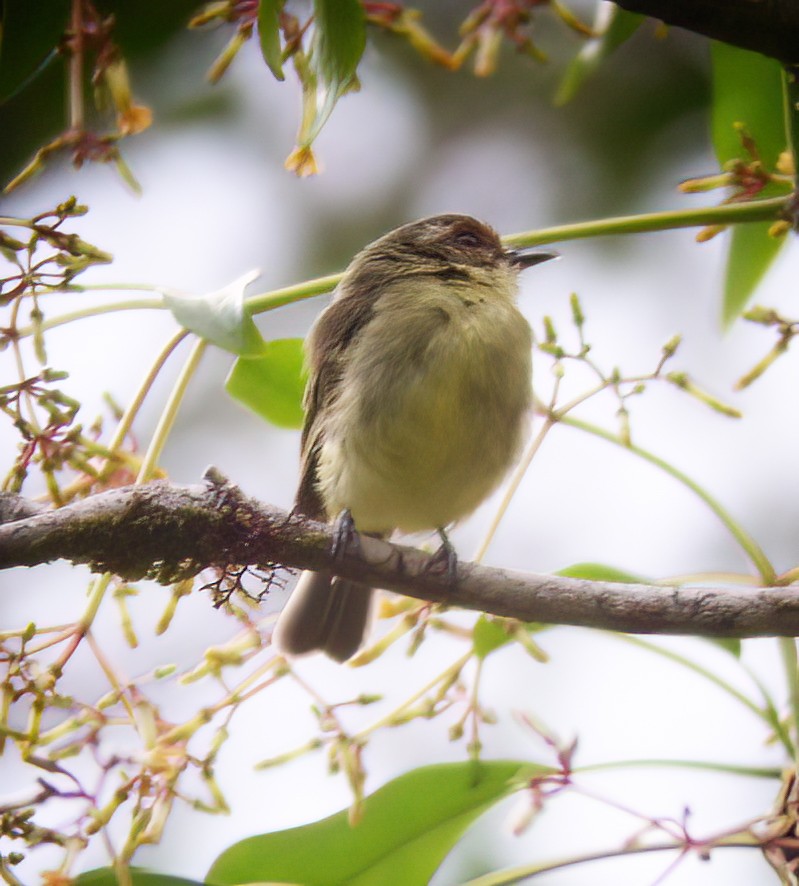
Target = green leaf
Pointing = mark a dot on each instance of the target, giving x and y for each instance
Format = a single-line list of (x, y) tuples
[(407, 829), (602, 572), (340, 39), (338, 44), (747, 90), (29, 35), (728, 644), (138, 876), (220, 317), (751, 253), (790, 99), (269, 35), (271, 384), (614, 26), (488, 635)]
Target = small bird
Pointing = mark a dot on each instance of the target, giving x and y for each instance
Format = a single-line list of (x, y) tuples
[(417, 400)]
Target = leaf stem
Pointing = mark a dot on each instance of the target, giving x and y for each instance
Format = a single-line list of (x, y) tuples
[(789, 660), (125, 423), (76, 107), (513, 486), (391, 718), (276, 298), (750, 547), (128, 417), (133, 304), (525, 872), (767, 715), (96, 593), (167, 419), (731, 213), (773, 772), (757, 210)]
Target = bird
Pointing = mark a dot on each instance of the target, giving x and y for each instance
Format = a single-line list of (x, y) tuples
[(417, 402)]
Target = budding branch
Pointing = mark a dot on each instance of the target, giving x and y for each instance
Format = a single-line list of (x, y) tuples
[(167, 532)]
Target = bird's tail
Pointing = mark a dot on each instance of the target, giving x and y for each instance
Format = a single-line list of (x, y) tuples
[(324, 613)]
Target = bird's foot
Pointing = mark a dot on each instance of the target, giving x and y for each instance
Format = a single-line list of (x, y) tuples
[(445, 558), (344, 535)]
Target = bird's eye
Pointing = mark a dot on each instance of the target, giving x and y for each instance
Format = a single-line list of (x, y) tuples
[(468, 239)]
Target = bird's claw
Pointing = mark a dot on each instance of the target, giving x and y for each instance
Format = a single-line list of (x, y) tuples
[(445, 558), (344, 535)]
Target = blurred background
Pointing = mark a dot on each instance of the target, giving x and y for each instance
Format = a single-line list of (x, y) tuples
[(418, 140)]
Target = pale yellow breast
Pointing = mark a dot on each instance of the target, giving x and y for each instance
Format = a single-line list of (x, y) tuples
[(433, 411)]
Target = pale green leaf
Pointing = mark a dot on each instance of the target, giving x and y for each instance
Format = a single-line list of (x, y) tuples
[(602, 572), (339, 40), (271, 384), (407, 829), (747, 91), (269, 35), (220, 317), (338, 44), (487, 636), (613, 26), (751, 252)]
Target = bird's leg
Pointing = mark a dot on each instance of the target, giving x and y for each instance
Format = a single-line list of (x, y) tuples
[(344, 535), (445, 556)]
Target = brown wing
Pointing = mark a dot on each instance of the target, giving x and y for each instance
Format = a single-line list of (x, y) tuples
[(335, 330)]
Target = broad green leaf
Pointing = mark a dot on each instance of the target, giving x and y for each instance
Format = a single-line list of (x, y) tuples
[(138, 876), (747, 90), (487, 636), (220, 317), (269, 35), (271, 384), (602, 572), (408, 828), (338, 44), (614, 26), (29, 35)]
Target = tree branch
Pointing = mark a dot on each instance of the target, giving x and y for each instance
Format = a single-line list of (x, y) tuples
[(167, 532), (767, 26)]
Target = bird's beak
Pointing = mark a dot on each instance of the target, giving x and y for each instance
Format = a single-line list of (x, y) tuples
[(524, 258)]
